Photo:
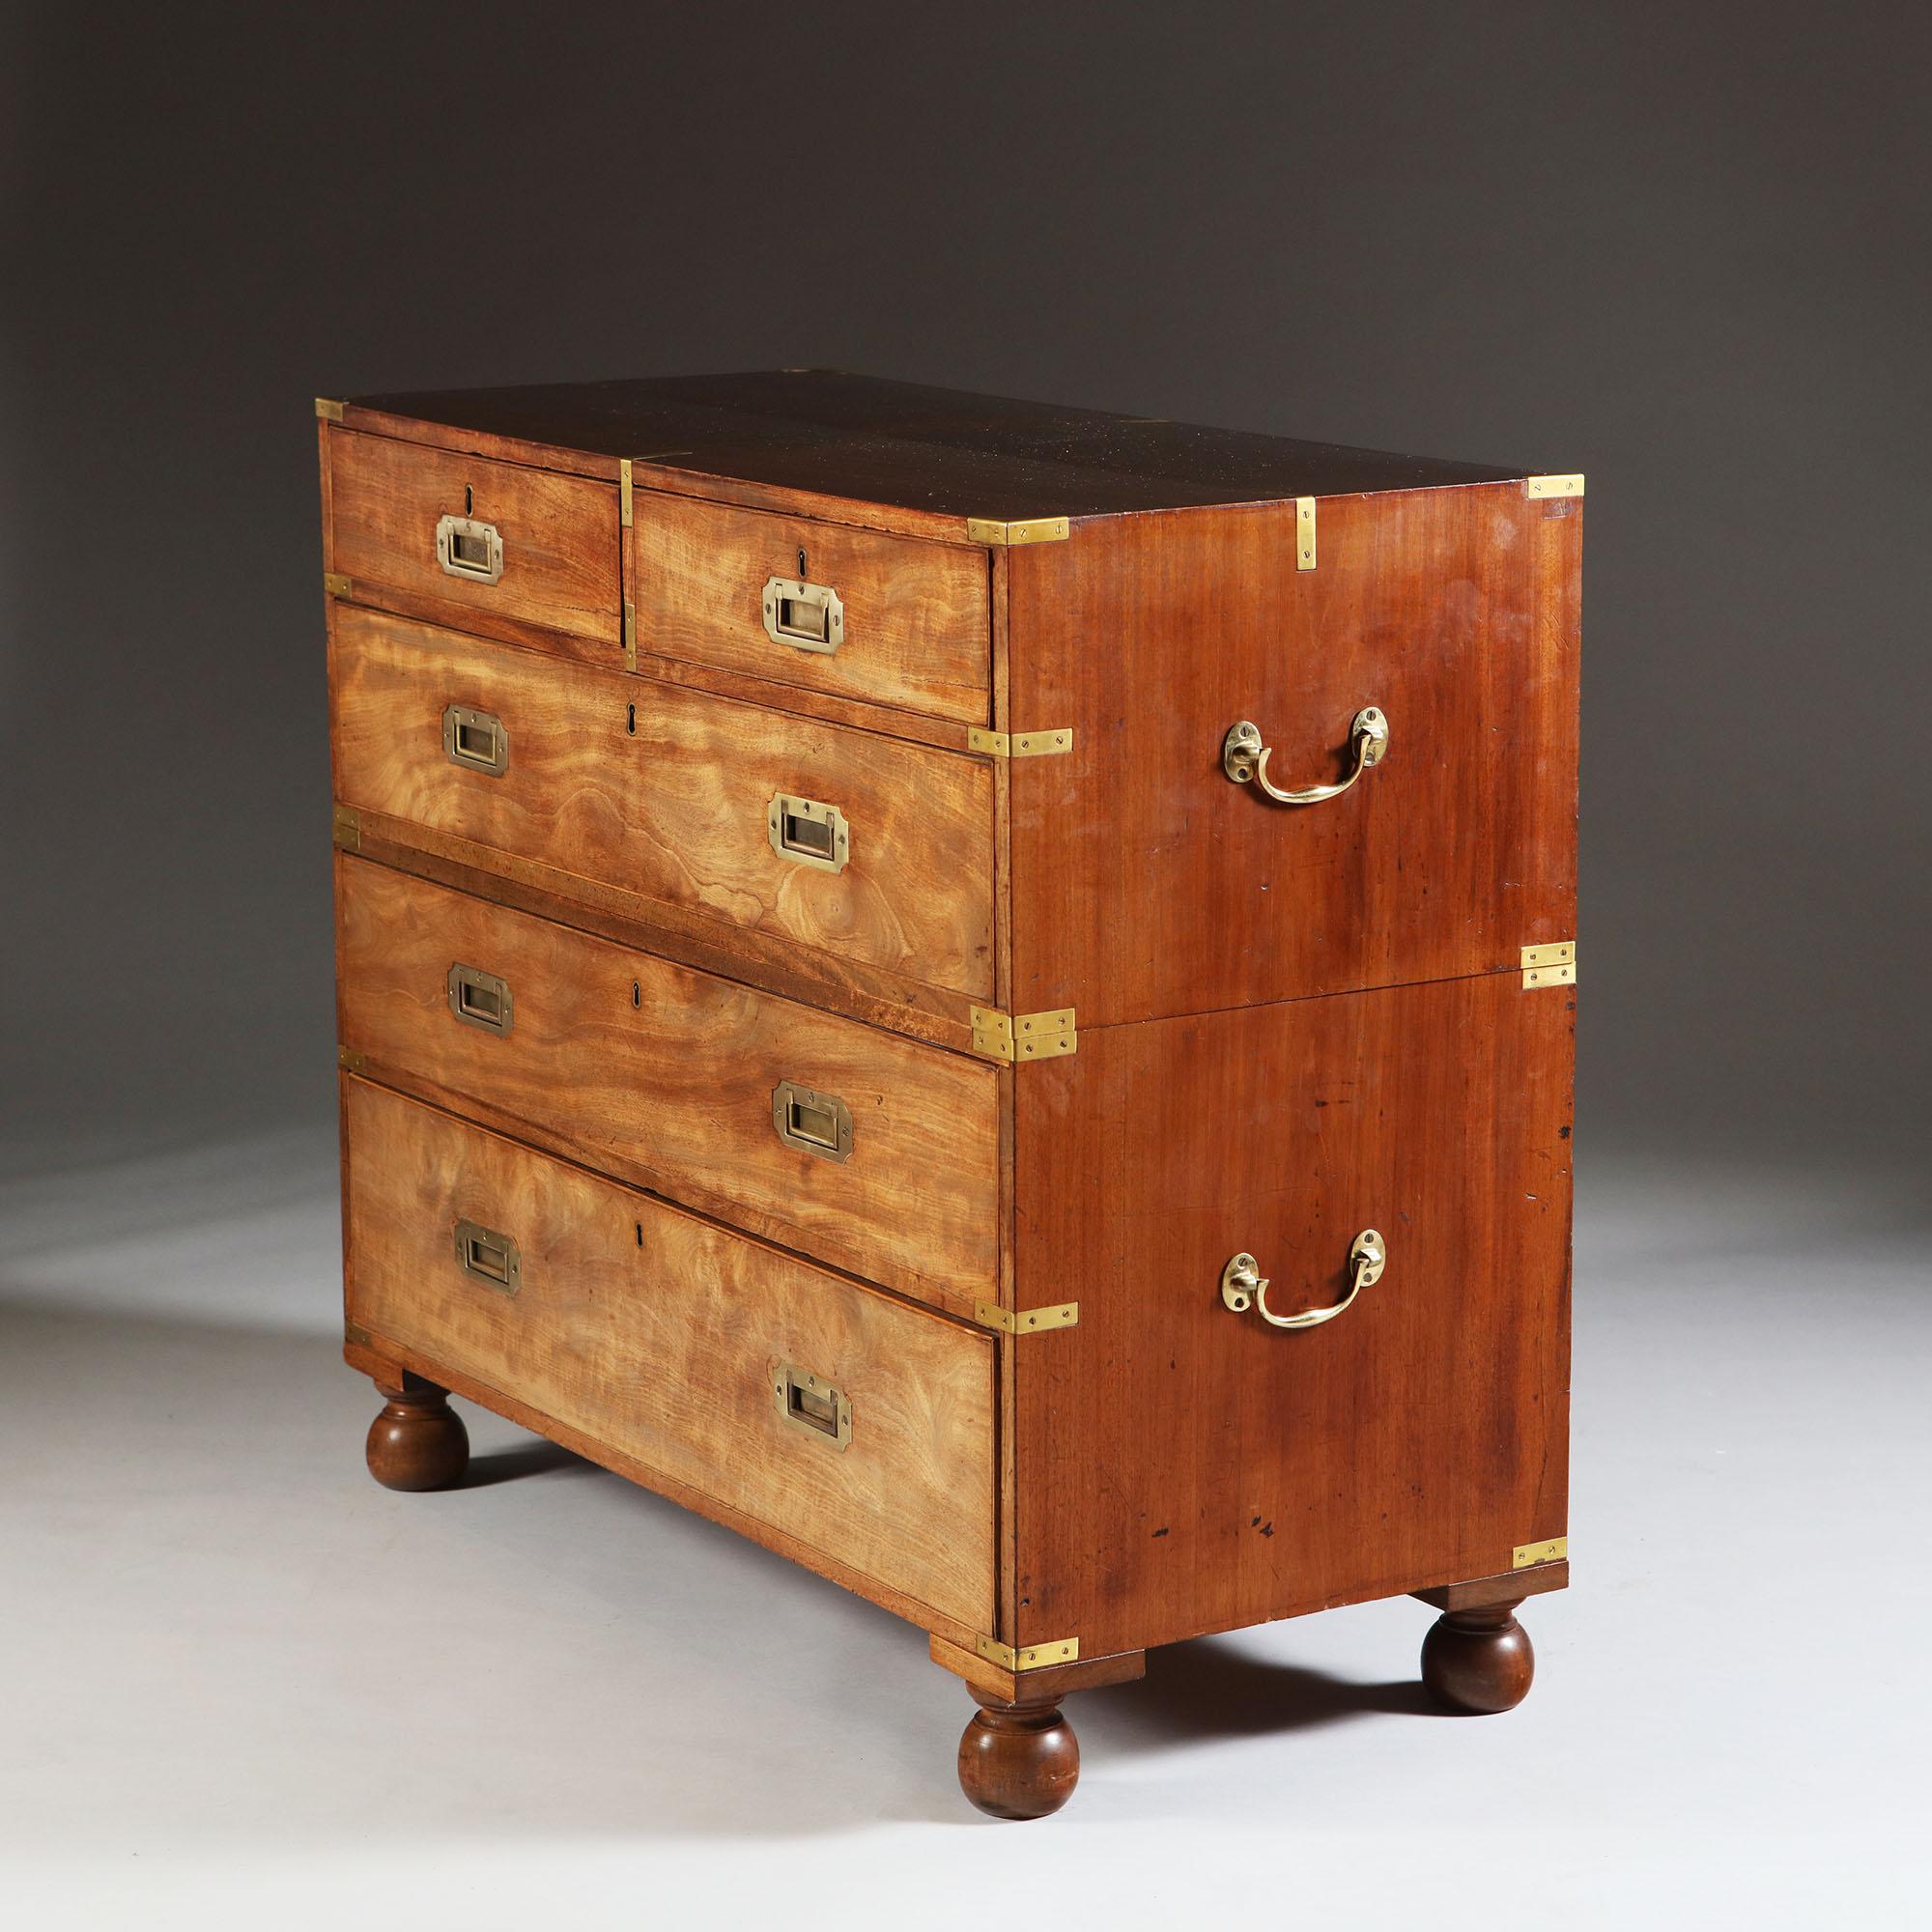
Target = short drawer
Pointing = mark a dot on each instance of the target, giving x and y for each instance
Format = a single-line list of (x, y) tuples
[(852, 1423), (814, 837), (860, 1147), (440, 534), (853, 612)]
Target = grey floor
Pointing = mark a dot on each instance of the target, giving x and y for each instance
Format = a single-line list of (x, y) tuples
[(246, 1687)]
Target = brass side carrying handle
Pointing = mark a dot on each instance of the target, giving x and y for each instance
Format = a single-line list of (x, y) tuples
[(466, 548), (1244, 757), (1244, 1285), (806, 616)]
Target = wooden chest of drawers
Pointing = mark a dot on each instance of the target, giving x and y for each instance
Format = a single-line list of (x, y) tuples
[(981, 993)]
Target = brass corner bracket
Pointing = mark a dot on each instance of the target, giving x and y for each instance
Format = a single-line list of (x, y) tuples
[(1035, 1657), (335, 585), (1017, 1036), (349, 1060), (346, 828), (1027, 1320), (630, 634), (1038, 529), (624, 492), (1552, 486), (1551, 965), (1527, 1555), (1020, 743), (327, 408), (1304, 533)]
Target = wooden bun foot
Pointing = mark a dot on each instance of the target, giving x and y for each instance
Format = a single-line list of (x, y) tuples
[(1020, 1760), (1478, 1660), (418, 1442)]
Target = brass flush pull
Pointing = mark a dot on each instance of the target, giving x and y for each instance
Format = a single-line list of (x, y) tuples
[(807, 617), (1243, 1285), (810, 1402), (466, 548), (489, 1256), (820, 1124), (475, 740), (1243, 757), (808, 833), (480, 999)]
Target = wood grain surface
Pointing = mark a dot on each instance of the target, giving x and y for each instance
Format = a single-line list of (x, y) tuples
[(658, 1333), (1182, 1468), (901, 452), (561, 535), (1146, 883), (916, 632), (665, 1075), (662, 792)]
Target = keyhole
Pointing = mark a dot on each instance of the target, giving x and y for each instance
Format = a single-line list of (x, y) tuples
[(640, 1233), (631, 720), (637, 994), (468, 499), (802, 572)]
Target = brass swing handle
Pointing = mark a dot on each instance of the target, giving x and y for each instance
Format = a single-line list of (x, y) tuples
[(1242, 1283), (1243, 757)]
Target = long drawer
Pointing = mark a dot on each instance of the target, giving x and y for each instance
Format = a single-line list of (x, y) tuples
[(862, 847), (856, 1145), (849, 1422)]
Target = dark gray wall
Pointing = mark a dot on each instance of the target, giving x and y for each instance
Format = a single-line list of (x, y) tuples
[(1684, 250)]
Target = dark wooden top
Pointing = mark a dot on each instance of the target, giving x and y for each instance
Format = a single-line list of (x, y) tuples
[(937, 450)]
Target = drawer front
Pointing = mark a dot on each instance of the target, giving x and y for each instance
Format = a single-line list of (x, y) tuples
[(1418, 1436), (1148, 882), (671, 794), (669, 1340), (466, 540), (859, 1147), (849, 611)]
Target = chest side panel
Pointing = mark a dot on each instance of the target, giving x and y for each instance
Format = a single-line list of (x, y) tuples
[(1147, 882), (1181, 1467)]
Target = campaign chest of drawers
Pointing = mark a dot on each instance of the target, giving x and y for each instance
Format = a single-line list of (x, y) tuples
[(981, 993)]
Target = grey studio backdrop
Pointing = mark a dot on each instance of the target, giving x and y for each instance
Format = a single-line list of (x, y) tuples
[(1682, 250)]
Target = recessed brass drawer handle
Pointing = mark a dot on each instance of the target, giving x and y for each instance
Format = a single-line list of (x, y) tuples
[(489, 1256), (466, 548), (810, 1402), (808, 833), (480, 999), (806, 616), (475, 740), (1243, 1285), (1243, 757), (820, 1124)]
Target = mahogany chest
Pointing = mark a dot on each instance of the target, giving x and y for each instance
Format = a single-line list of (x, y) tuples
[(981, 993)]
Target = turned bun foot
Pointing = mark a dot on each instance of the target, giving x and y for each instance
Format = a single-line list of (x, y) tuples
[(1478, 1660), (418, 1442), (1019, 1761)]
